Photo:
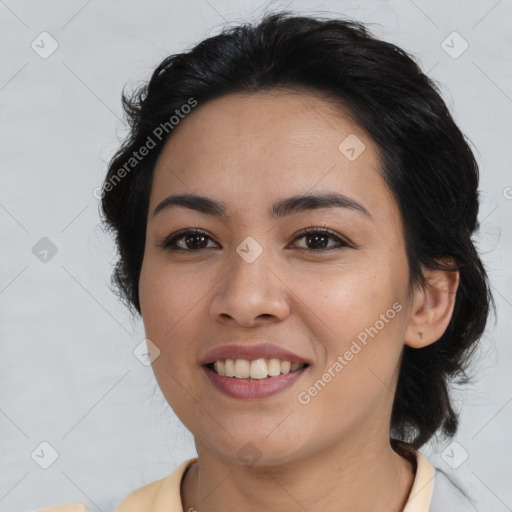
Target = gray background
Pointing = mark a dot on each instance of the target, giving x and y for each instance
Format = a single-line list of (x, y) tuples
[(68, 375)]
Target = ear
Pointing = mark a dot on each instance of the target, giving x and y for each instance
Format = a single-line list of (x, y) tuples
[(431, 307)]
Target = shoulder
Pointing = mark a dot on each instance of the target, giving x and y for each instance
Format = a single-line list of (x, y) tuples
[(68, 507), (160, 495), (449, 496), (163, 494), (139, 500)]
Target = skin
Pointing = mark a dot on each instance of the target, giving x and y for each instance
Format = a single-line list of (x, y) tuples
[(332, 453)]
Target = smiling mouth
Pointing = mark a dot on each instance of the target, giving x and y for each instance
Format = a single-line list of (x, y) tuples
[(259, 369)]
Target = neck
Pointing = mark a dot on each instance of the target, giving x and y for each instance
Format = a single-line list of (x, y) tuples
[(366, 477)]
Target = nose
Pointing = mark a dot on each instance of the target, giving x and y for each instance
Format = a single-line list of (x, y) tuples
[(251, 292)]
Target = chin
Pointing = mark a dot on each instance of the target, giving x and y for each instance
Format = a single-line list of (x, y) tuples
[(257, 450)]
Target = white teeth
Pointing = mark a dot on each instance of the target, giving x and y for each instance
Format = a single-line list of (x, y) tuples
[(257, 369), (242, 368), (229, 366), (220, 367), (274, 367)]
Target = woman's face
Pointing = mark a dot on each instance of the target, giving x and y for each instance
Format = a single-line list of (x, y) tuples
[(337, 300)]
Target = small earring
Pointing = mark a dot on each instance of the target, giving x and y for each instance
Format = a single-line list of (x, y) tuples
[(421, 334)]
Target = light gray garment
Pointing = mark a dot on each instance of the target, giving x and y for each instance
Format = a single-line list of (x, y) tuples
[(448, 496)]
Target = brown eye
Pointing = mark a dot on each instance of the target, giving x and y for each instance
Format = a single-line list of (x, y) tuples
[(193, 240), (196, 240), (319, 239)]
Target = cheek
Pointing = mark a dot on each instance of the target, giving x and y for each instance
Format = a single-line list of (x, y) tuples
[(357, 313), (167, 295), (169, 302), (345, 299), (361, 350)]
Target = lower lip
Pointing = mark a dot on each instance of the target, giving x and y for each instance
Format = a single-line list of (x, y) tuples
[(254, 388)]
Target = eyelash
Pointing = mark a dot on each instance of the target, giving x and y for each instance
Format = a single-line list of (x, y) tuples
[(170, 242)]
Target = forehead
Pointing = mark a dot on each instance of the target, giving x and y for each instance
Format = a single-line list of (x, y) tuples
[(248, 149)]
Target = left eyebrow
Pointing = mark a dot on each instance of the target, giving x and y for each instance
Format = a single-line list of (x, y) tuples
[(280, 209)]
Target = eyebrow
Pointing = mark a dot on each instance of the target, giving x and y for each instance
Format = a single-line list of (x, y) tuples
[(280, 209)]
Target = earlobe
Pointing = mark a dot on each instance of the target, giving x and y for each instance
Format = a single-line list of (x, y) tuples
[(431, 307)]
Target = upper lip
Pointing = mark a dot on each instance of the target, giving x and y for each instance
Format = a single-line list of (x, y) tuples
[(251, 352)]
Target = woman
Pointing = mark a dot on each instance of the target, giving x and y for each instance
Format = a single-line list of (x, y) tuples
[(293, 210)]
